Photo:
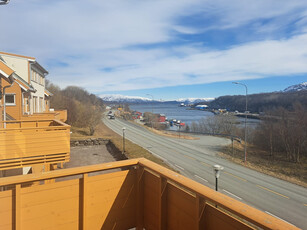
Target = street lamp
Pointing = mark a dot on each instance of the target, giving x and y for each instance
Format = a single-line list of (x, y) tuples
[(217, 169), (124, 140), (151, 109), (245, 133)]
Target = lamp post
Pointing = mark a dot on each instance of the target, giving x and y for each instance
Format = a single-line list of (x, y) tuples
[(217, 169), (245, 133), (151, 109), (124, 140)]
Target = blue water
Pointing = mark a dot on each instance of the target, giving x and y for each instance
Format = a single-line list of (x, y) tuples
[(173, 111)]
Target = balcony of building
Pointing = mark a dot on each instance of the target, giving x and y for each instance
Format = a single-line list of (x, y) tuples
[(140, 194), (60, 115), (32, 142)]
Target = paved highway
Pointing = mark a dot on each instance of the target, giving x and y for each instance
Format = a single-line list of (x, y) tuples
[(195, 158)]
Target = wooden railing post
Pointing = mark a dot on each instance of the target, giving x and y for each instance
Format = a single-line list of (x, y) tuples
[(16, 208), (199, 215), (83, 202), (140, 198), (162, 203)]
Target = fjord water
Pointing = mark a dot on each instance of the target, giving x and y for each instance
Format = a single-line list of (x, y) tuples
[(184, 114), (173, 111)]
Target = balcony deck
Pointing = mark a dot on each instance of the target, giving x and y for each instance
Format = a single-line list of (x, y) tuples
[(25, 143), (60, 115), (143, 195)]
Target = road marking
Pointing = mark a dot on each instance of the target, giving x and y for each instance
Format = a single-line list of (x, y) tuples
[(279, 218), (205, 164), (230, 174), (160, 157), (179, 167), (189, 157), (201, 178), (272, 191), (232, 194)]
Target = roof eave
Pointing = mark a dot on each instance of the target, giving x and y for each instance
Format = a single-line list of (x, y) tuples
[(38, 66)]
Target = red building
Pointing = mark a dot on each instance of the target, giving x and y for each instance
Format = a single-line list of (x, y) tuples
[(162, 118)]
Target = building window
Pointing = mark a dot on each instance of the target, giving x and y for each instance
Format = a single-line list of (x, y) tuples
[(10, 99)]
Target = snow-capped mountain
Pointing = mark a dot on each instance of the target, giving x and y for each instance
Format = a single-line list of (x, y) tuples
[(117, 98), (194, 100), (122, 98), (298, 87)]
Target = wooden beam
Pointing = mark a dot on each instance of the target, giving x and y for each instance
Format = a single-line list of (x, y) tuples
[(162, 203), (67, 172), (140, 198), (200, 210), (83, 202), (17, 208)]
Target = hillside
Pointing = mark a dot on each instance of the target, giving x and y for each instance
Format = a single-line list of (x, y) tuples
[(261, 102)]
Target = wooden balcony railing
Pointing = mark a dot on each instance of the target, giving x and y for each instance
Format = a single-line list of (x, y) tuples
[(143, 195), (26, 143), (60, 115)]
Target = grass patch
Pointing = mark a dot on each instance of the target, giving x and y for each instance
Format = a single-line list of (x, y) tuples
[(262, 161)]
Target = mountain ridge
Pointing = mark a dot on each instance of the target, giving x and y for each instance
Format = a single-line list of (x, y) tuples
[(297, 87), (118, 98), (136, 99)]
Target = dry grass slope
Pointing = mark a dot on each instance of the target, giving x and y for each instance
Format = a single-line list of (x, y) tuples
[(263, 162)]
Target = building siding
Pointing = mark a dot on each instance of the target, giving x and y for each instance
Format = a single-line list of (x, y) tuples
[(14, 111), (19, 65)]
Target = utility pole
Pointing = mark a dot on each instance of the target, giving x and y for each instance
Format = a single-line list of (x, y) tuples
[(123, 140)]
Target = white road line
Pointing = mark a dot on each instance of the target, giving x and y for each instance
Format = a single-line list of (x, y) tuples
[(279, 218), (179, 167), (232, 194), (160, 157), (201, 178)]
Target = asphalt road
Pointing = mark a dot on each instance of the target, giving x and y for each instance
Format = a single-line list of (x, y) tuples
[(195, 158)]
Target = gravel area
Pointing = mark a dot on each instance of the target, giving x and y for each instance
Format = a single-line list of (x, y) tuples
[(88, 155)]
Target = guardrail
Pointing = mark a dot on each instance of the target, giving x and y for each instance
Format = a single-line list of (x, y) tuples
[(143, 195), (32, 142)]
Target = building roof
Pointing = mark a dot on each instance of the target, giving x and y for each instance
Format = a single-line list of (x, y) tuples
[(40, 68), (5, 70), (47, 93), (31, 59), (23, 84), (17, 55)]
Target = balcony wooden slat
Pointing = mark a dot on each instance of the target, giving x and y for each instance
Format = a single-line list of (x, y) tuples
[(24, 143), (111, 201)]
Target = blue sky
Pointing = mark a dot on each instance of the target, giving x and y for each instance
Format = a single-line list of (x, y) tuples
[(168, 48)]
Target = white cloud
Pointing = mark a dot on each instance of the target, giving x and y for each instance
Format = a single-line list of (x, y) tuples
[(248, 61), (92, 36)]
